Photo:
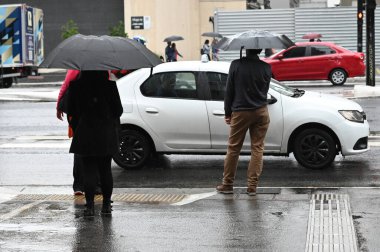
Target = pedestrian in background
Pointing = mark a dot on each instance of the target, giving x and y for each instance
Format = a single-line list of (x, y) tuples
[(175, 52), (169, 52), (206, 48), (245, 106), (214, 50), (94, 103)]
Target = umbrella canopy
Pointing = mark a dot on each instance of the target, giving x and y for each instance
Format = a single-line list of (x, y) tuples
[(212, 34), (312, 36), (173, 38), (254, 39), (82, 52)]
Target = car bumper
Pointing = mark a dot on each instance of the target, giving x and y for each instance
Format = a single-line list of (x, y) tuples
[(353, 138)]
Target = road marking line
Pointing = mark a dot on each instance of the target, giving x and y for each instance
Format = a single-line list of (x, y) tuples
[(18, 211), (44, 137), (64, 145), (194, 197)]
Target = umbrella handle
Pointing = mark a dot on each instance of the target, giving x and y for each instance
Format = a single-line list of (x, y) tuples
[(241, 52)]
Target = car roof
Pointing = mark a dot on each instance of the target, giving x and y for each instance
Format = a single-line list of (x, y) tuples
[(330, 44), (217, 66)]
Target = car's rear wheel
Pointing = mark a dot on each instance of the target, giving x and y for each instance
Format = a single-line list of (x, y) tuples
[(314, 148), (134, 149), (338, 77)]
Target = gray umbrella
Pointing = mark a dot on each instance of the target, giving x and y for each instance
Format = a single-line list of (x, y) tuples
[(100, 53), (212, 34), (173, 38), (254, 39)]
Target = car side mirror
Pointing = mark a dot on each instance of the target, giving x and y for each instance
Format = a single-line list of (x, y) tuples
[(271, 99)]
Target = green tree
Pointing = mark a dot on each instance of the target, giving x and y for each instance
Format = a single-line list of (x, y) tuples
[(69, 29), (118, 30)]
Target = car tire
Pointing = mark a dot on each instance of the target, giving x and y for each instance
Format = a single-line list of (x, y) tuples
[(134, 149), (314, 148), (338, 77)]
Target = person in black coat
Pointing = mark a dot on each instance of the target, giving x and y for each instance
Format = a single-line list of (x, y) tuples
[(95, 106)]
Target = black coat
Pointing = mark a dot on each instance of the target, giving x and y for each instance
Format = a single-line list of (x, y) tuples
[(95, 107)]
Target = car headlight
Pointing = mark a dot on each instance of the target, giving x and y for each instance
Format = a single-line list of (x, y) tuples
[(353, 115)]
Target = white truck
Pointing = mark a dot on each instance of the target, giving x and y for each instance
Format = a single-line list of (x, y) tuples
[(21, 42)]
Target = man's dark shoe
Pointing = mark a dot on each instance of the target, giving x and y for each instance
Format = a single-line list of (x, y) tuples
[(226, 189), (251, 191)]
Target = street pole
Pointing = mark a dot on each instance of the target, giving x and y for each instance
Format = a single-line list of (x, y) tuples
[(370, 45), (360, 25)]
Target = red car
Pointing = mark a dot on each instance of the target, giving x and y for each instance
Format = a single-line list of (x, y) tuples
[(317, 61)]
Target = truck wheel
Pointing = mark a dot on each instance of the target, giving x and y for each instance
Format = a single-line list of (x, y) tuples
[(7, 83), (134, 149), (314, 148)]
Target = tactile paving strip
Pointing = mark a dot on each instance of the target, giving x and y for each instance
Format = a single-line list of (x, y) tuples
[(330, 226), (128, 197)]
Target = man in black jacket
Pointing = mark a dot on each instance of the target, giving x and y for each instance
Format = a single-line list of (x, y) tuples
[(245, 106)]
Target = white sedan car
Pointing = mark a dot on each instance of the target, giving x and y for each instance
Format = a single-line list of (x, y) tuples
[(178, 108)]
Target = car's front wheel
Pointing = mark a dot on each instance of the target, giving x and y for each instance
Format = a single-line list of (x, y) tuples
[(338, 77), (314, 148), (134, 149)]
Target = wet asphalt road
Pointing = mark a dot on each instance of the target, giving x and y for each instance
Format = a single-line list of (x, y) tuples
[(22, 119)]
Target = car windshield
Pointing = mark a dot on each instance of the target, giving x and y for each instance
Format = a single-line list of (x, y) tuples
[(285, 90)]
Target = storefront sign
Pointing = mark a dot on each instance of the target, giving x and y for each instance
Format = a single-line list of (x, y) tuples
[(140, 22)]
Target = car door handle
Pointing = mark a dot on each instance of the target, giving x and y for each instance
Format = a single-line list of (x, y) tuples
[(151, 111), (218, 112)]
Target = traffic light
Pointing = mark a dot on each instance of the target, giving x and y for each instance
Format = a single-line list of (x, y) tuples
[(361, 7), (360, 24)]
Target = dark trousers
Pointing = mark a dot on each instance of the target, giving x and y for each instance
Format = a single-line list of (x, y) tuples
[(93, 165), (78, 174)]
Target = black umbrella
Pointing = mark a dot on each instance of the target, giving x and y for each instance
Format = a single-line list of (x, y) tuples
[(173, 38), (254, 39), (100, 53), (212, 34)]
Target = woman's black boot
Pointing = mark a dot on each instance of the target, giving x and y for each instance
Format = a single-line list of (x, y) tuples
[(106, 208), (89, 212)]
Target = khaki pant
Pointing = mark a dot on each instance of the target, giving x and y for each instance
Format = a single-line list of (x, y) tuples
[(257, 122)]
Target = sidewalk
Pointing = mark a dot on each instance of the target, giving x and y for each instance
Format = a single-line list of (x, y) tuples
[(277, 219)]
